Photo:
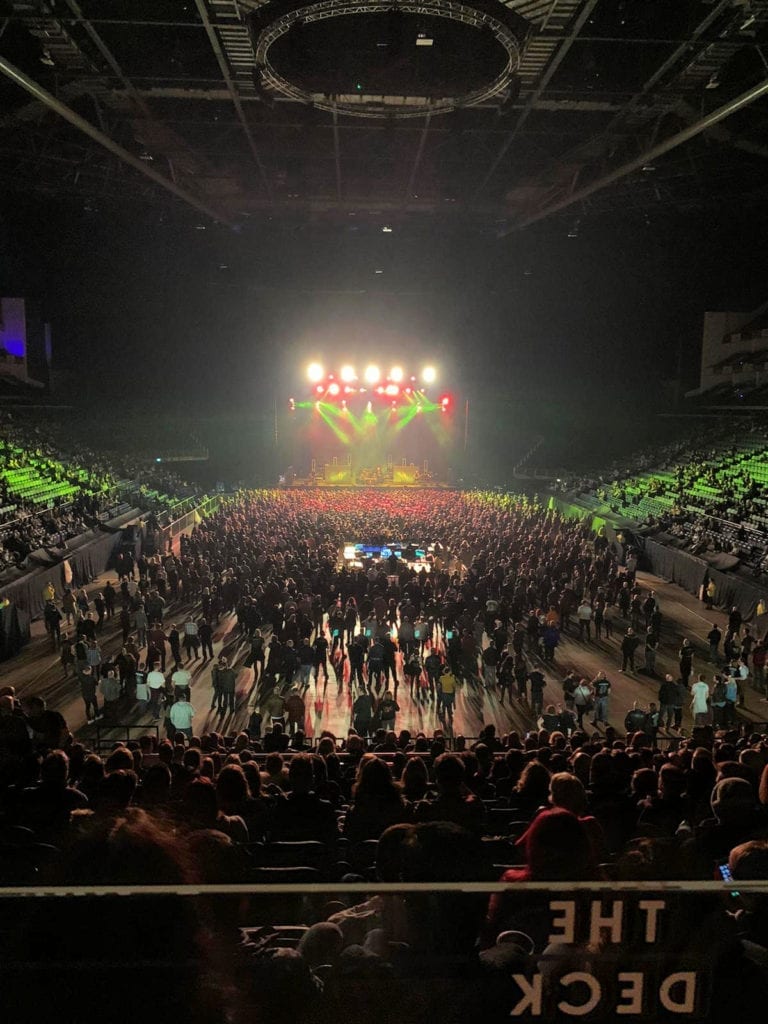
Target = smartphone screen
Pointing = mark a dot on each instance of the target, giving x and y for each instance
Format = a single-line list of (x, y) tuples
[(449, 634), (336, 632), (725, 874)]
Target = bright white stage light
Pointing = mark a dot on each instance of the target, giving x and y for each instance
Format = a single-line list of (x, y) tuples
[(396, 373), (315, 372), (334, 389), (429, 375), (372, 374), (347, 373)]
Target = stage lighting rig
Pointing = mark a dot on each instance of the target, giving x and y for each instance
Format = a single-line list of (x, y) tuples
[(347, 374), (315, 372), (429, 375), (372, 374), (396, 374)]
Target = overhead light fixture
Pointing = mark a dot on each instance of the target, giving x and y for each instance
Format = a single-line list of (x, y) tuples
[(714, 81), (315, 372), (387, 230), (429, 375), (423, 40), (378, 271), (347, 373), (396, 373), (371, 374)]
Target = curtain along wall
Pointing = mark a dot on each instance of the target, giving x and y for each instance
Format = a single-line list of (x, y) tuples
[(687, 570)]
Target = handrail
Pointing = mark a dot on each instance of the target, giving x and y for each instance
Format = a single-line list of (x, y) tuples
[(129, 728)]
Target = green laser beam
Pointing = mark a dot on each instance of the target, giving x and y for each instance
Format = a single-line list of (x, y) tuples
[(322, 408)]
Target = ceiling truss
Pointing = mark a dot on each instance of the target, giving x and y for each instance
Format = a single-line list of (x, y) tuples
[(557, 143)]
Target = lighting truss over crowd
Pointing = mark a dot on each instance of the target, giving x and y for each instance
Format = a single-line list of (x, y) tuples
[(371, 375), (369, 385)]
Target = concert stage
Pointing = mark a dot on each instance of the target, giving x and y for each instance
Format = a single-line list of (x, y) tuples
[(334, 475), (367, 428)]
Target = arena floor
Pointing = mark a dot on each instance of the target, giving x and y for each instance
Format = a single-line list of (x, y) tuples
[(37, 670)]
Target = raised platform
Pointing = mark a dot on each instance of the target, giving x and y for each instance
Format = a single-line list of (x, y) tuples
[(355, 485)]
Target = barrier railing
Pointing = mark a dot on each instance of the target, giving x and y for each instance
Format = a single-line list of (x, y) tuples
[(405, 951), (186, 521), (103, 741)]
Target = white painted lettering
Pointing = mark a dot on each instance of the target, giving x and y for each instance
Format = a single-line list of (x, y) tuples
[(652, 909), (580, 1009), (686, 979), (612, 922), (567, 922), (633, 992), (531, 993)]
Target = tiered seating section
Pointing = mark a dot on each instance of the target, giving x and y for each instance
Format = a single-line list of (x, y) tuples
[(52, 483), (710, 490)]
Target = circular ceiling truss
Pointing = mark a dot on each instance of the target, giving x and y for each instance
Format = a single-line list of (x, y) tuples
[(385, 106)]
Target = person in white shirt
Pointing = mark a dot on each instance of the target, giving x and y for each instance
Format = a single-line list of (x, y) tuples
[(181, 679), (181, 715), (142, 690), (191, 639), (700, 703), (584, 615), (156, 684)]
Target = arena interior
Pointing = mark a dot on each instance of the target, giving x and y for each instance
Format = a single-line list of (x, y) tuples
[(383, 510)]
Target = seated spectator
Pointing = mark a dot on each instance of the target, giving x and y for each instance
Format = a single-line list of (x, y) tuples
[(377, 801), (454, 801), (737, 818), (201, 811), (47, 806), (275, 773), (531, 791), (301, 814), (235, 798)]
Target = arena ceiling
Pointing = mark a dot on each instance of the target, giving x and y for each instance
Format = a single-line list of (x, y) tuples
[(503, 112)]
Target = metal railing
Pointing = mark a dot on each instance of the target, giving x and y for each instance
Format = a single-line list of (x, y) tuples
[(103, 742)]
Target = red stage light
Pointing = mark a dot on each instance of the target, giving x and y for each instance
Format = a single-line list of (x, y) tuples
[(348, 390), (408, 391), (319, 389), (380, 389), (292, 404), (392, 389), (333, 389), (445, 401)]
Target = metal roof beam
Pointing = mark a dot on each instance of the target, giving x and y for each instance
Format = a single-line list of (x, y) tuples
[(544, 81), (648, 156), (106, 53), (39, 93), (417, 158), (337, 152), (233, 93)]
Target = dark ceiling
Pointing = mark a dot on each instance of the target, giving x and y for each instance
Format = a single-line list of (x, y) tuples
[(600, 84)]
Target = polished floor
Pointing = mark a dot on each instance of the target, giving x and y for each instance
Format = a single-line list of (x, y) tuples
[(38, 670)]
